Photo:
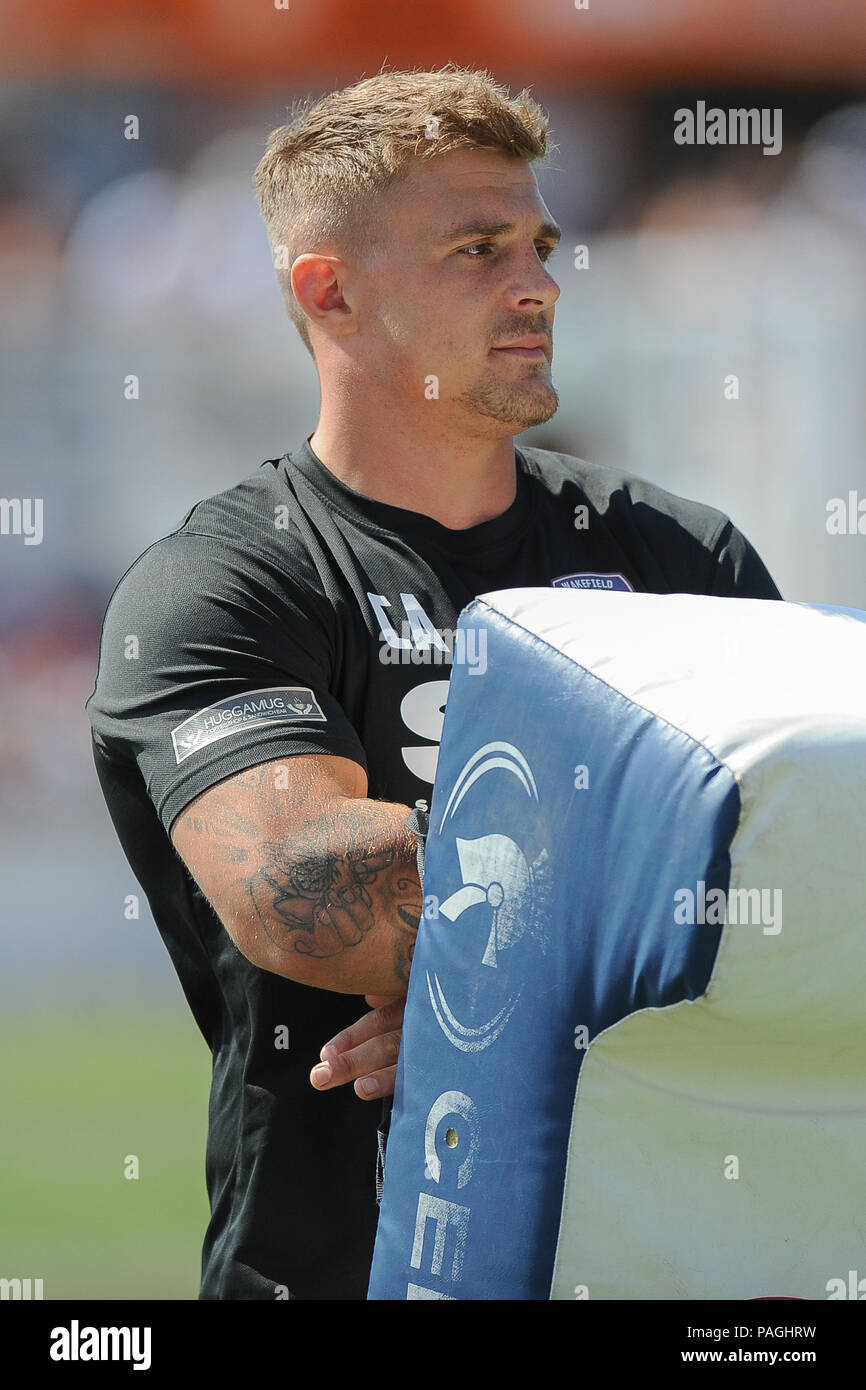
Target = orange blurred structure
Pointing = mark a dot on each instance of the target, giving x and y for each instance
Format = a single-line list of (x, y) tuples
[(611, 41)]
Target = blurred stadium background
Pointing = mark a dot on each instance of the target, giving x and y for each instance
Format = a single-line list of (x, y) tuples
[(147, 256)]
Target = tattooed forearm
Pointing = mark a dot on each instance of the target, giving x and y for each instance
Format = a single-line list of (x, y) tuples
[(311, 879), (408, 909), (223, 834), (351, 872)]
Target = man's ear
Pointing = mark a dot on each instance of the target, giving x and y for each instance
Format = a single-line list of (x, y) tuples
[(319, 285)]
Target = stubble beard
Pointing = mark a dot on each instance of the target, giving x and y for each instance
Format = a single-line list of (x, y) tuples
[(531, 401)]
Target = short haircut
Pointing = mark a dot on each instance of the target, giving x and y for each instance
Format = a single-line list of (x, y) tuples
[(321, 174)]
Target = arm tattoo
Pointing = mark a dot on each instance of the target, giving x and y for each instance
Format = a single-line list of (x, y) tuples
[(315, 900), (405, 917), (223, 833)]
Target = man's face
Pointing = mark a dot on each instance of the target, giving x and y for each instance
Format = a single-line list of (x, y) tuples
[(459, 271)]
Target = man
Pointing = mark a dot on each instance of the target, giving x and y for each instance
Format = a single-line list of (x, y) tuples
[(263, 741)]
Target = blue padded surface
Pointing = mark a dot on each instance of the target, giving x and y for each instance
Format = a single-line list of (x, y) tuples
[(548, 909)]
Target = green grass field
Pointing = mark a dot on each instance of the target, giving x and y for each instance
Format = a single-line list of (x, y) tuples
[(78, 1093)]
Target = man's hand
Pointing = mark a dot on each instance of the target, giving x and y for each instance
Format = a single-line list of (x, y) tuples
[(366, 1052)]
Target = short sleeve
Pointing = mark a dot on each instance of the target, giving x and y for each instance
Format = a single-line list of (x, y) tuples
[(738, 570), (211, 663)]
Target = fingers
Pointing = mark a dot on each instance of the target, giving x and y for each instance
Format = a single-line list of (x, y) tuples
[(384, 1019), (367, 1060), (377, 1084), (365, 1053)]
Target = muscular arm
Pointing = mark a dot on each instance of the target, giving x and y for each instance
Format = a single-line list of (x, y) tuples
[(310, 878)]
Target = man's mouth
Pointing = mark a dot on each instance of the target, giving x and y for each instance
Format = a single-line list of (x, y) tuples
[(530, 346), (530, 353)]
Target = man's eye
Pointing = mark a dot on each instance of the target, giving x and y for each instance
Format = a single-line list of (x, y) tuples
[(545, 250)]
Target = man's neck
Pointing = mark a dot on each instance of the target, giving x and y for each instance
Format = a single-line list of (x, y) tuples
[(458, 483)]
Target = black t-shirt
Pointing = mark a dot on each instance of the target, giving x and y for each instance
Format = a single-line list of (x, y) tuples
[(291, 614)]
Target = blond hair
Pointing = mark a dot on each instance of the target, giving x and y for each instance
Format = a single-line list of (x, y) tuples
[(322, 173)]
